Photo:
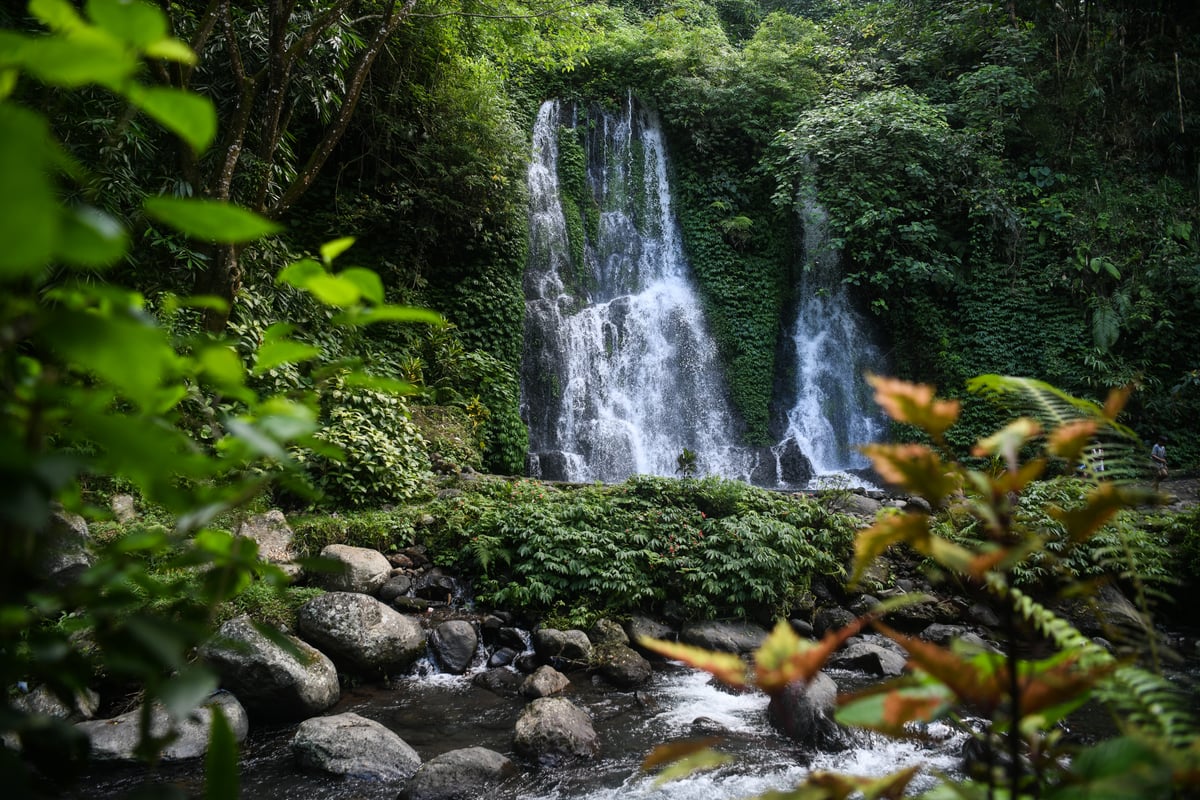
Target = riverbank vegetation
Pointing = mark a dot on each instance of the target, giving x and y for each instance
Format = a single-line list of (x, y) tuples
[(219, 223)]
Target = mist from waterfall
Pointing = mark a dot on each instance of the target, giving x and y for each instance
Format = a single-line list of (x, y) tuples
[(833, 409), (620, 375)]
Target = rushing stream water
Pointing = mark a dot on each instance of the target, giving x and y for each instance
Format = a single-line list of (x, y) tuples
[(436, 713)]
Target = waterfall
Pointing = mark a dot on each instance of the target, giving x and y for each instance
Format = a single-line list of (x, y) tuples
[(833, 410), (620, 375)]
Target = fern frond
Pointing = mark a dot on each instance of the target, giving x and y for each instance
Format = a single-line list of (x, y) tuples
[(1148, 704), (1118, 447)]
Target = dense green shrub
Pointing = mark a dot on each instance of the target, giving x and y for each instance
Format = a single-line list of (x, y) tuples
[(709, 548)]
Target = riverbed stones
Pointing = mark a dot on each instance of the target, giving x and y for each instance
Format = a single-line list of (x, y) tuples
[(358, 569), (275, 539), (728, 637), (544, 681), (804, 712), (124, 508), (500, 681), (393, 587), (553, 730), (464, 774), (605, 631), (621, 665), (361, 633), (41, 700), (270, 681), (831, 618), (563, 649), (116, 739), (354, 747), (639, 628), (454, 643)]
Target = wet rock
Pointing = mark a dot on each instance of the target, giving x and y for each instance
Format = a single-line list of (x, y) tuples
[(399, 561), (501, 681), (116, 739), (794, 467), (435, 585), (869, 659), (707, 726), (414, 605), (544, 682), (802, 628), (454, 643), (805, 713), (552, 730), (915, 618), (639, 627), (983, 615), (465, 774), (526, 662), (858, 505), (728, 637), (83, 705), (354, 747), (621, 665), (359, 569), (831, 618), (271, 682), (63, 549), (361, 633), (566, 649), (502, 657), (605, 631), (393, 587)]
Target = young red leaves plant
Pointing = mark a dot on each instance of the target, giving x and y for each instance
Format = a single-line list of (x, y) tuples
[(889, 707), (832, 786), (680, 759), (1008, 441), (914, 467), (785, 658), (726, 667), (915, 404), (1071, 438)]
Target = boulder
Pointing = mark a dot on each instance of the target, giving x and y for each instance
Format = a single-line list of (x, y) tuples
[(605, 631), (359, 569), (621, 665), (804, 712), (354, 747), (552, 730), (42, 700), (435, 585), (870, 659), (63, 549), (454, 643), (393, 587), (643, 627), (566, 649), (728, 637), (275, 539), (464, 774), (117, 739), (502, 657), (855, 504), (124, 508), (270, 681), (361, 633), (503, 682), (831, 618), (544, 682)]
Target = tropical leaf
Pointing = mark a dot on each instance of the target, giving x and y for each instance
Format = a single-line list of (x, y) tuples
[(785, 658), (914, 467), (915, 404), (727, 667)]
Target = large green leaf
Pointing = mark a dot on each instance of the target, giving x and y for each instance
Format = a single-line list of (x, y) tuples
[(57, 15), (29, 224), (90, 238), (133, 21), (81, 57), (210, 220), (189, 116)]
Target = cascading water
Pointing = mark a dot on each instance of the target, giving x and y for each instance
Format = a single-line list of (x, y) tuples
[(833, 410), (620, 375)]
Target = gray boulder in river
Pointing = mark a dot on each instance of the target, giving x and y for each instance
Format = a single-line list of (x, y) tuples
[(361, 633), (804, 712), (454, 643), (459, 775), (728, 637), (355, 747), (552, 730), (116, 739), (270, 681)]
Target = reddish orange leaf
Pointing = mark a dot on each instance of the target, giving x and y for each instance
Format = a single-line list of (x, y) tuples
[(914, 467), (1061, 683), (1116, 400), (1069, 440), (982, 688), (915, 404), (1026, 474), (1009, 440), (839, 787), (785, 658), (727, 667), (674, 751), (1103, 502), (887, 531)]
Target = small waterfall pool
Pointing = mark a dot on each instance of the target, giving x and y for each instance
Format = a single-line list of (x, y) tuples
[(436, 713)]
